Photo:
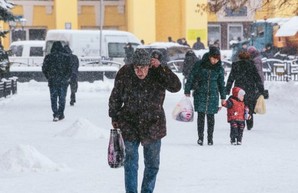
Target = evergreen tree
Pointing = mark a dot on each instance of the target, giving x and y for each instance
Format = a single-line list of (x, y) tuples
[(5, 16)]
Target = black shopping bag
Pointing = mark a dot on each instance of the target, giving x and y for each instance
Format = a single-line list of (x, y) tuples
[(116, 149)]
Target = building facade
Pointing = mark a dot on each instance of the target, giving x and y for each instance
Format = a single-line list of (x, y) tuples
[(149, 20)]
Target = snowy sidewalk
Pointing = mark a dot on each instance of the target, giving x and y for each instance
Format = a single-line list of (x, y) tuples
[(70, 156)]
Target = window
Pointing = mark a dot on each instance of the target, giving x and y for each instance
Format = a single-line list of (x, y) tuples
[(235, 32), (214, 33), (116, 50), (36, 51), (16, 50)]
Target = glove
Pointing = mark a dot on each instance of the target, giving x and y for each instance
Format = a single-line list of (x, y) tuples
[(115, 125)]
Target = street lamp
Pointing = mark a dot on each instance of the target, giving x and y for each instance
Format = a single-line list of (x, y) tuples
[(17, 34)]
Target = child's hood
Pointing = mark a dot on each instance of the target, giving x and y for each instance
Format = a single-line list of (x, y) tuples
[(238, 91)]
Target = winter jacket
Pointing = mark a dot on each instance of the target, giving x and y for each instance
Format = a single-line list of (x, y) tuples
[(244, 75), (56, 66), (137, 104), (236, 108), (207, 81)]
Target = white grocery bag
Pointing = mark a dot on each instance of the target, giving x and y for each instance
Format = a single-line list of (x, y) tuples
[(183, 110)]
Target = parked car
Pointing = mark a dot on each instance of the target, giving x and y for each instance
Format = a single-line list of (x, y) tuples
[(173, 53), (29, 53)]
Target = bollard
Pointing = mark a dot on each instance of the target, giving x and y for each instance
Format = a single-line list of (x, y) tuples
[(1, 89)]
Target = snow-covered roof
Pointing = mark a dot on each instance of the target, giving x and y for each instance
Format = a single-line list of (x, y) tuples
[(289, 28), (279, 21), (162, 45)]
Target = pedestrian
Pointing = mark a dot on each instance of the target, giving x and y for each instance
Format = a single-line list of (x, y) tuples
[(244, 74), (237, 113), (74, 63), (136, 107), (129, 50), (207, 82), (188, 63), (57, 70), (198, 45), (256, 57), (269, 51)]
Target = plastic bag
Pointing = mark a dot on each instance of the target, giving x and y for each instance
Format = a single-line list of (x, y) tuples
[(260, 107), (116, 149), (183, 110)]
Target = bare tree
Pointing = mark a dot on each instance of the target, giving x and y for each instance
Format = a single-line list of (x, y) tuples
[(215, 6)]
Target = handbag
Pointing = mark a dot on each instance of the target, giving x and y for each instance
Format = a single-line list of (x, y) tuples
[(260, 107), (116, 149), (183, 110), (266, 94)]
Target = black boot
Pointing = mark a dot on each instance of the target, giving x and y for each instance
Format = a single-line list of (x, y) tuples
[(200, 141), (210, 141)]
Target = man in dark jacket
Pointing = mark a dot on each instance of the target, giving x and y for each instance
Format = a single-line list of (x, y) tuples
[(57, 70), (198, 45), (136, 107), (74, 63)]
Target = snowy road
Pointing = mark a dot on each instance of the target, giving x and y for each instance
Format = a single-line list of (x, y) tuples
[(70, 156)]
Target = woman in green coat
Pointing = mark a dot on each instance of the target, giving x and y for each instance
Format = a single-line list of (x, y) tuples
[(207, 82)]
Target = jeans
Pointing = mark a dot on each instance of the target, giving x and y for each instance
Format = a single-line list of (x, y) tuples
[(58, 99), (151, 160)]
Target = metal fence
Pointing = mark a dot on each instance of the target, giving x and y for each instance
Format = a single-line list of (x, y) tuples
[(8, 86), (280, 70)]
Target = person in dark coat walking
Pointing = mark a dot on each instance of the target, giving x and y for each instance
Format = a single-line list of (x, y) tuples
[(129, 50), (244, 74), (189, 61), (57, 70), (136, 107), (74, 63), (207, 81), (256, 57)]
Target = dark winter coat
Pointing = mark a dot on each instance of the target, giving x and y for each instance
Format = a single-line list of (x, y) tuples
[(189, 61), (207, 81), (137, 104), (244, 74), (257, 59), (56, 66)]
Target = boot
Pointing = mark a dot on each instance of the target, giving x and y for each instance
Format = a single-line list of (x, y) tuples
[(200, 141)]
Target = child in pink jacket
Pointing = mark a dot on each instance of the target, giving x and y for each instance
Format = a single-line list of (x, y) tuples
[(237, 113)]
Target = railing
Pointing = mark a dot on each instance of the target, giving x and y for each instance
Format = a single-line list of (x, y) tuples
[(8, 86), (280, 70)]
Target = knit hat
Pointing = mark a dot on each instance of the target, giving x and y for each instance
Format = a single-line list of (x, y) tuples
[(214, 52), (141, 58), (156, 54)]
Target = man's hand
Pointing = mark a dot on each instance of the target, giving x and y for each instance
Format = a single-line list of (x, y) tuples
[(155, 62)]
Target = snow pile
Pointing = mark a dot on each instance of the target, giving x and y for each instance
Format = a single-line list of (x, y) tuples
[(26, 158), (83, 129)]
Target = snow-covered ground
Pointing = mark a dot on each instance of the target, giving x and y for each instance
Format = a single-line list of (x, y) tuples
[(70, 156)]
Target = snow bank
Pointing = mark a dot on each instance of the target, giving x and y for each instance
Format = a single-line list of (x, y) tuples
[(25, 158), (83, 129)]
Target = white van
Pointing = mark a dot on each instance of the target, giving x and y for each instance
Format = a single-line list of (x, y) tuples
[(29, 53), (86, 44)]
